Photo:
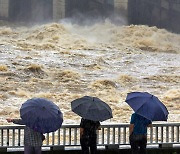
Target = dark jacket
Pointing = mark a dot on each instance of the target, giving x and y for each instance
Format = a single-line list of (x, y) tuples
[(89, 126)]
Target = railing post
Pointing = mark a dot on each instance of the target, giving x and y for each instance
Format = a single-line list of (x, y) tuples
[(19, 135), (75, 136), (156, 134), (108, 135), (162, 134), (177, 132), (2, 135), (53, 138), (113, 141), (172, 133), (64, 136), (167, 134), (59, 139), (69, 136), (102, 135), (119, 135), (151, 134), (13, 138), (124, 135), (7, 137), (47, 139)]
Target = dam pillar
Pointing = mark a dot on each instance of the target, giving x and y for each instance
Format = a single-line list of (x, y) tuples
[(58, 9), (4, 9)]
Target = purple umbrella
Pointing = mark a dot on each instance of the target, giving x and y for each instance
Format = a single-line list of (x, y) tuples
[(41, 115), (147, 105)]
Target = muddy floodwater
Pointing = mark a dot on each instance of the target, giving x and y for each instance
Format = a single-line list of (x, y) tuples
[(62, 62)]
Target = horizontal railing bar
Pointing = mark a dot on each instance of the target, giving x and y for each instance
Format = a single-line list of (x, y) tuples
[(103, 125), (109, 134)]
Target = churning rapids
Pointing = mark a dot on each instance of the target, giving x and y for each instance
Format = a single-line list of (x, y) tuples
[(62, 62)]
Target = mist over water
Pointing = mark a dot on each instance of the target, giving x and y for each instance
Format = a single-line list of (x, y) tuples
[(64, 61)]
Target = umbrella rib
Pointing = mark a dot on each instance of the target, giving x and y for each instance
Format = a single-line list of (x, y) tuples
[(144, 102), (159, 104)]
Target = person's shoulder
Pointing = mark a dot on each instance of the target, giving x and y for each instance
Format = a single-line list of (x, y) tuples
[(149, 121), (85, 121), (138, 116), (97, 123), (134, 115)]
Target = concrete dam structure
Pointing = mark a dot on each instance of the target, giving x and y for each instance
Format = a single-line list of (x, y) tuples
[(160, 13)]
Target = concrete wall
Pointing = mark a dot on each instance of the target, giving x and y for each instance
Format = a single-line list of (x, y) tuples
[(160, 13), (41, 10), (4, 8), (19, 10), (38, 9), (83, 11), (59, 6)]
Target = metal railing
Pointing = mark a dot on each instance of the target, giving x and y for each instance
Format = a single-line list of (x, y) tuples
[(109, 134)]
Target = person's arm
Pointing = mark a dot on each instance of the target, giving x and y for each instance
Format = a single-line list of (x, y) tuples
[(16, 121), (81, 131), (150, 125), (131, 128), (98, 126), (81, 127), (132, 122)]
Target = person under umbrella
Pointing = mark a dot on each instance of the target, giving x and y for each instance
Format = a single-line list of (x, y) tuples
[(147, 108), (32, 139), (92, 110), (138, 133), (39, 116), (88, 135)]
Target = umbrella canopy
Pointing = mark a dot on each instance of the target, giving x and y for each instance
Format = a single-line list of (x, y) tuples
[(91, 108), (147, 105), (41, 115)]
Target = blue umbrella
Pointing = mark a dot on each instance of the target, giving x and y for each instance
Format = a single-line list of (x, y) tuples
[(41, 115), (147, 105), (91, 108)]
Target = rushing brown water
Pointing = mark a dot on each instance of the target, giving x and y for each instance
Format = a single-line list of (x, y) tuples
[(63, 62)]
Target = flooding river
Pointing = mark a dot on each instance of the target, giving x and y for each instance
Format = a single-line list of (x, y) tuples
[(62, 62)]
